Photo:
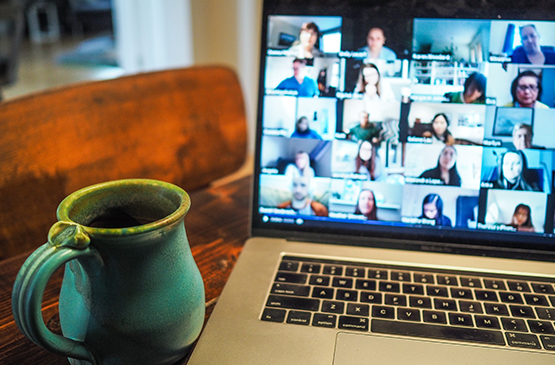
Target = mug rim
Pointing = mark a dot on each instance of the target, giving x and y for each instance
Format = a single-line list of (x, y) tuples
[(65, 207)]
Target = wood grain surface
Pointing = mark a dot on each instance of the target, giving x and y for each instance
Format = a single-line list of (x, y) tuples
[(217, 227), (184, 126)]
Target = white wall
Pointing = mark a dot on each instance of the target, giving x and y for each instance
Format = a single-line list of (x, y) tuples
[(161, 34)]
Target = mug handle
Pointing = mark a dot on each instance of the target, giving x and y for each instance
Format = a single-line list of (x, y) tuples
[(66, 241)]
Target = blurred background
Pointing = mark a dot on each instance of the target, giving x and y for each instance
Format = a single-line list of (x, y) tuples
[(48, 43)]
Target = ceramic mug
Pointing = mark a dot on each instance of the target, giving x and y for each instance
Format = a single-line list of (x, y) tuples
[(132, 292)]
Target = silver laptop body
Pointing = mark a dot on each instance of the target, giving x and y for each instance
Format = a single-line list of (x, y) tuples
[(407, 140)]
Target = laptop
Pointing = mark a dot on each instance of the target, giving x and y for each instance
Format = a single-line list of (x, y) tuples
[(402, 206)]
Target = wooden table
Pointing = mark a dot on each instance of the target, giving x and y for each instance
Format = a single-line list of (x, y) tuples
[(217, 227)]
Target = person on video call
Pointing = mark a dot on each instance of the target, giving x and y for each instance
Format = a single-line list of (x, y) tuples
[(446, 169), (432, 208), (375, 48), (512, 172), (370, 86), (301, 201), (366, 205), (522, 136), (302, 130), (531, 51), (305, 86), (474, 91), (365, 130), (307, 45), (440, 132), (367, 161), (522, 219), (301, 167), (526, 89)]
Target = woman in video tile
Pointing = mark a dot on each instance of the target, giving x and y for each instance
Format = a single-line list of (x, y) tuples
[(474, 91), (367, 161), (302, 130), (307, 45), (446, 169), (432, 208), (531, 52), (440, 132), (301, 167), (512, 172), (526, 90), (370, 86), (366, 205), (522, 219)]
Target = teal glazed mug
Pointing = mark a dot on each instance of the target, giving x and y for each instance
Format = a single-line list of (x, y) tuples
[(132, 292)]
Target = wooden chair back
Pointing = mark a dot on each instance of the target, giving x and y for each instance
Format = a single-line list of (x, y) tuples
[(184, 126)]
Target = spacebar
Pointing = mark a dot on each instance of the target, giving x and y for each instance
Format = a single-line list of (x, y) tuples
[(440, 332)]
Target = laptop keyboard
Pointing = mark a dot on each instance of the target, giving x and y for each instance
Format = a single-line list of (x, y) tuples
[(409, 301)]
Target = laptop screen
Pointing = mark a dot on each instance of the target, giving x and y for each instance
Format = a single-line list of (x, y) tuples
[(407, 120)]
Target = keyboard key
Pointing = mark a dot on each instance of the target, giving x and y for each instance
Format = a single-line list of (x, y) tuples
[(324, 320), (437, 291), (356, 309), (286, 277), (522, 311), (333, 307), (536, 299), (552, 300), (353, 323), (289, 266), (460, 319), (548, 342), (291, 289), (460, 293), (342, 283), (486, 295), (279, 301), (322, 292), (546, 313), (357, 272), (420, 302), (523, 340), (296, 317), (471, 282), (319, 280), (365, 284), (434, 317), (543, 327), (487, 322), (510, 297), (445, 304), (273, 315), (408, 314), (447, 280), (543, 288), (383, 312), (390, 287), (512, 324), (368, 297), (438, 332), (470, 307), (311, 268), (397, 300), (347, 295), (333, 270), (424, 278), (494, 284), (400, 276), (519, 286), (378, 274), (413, 289), (496, 309)]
